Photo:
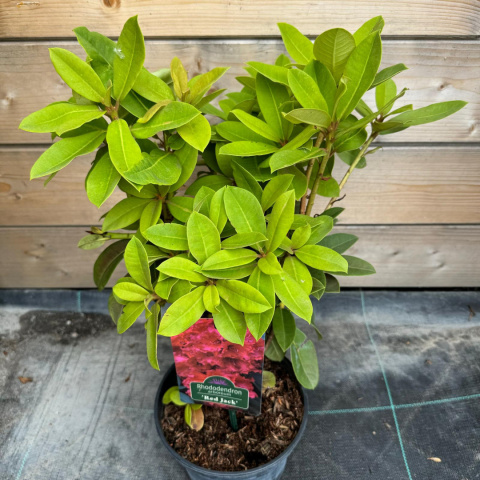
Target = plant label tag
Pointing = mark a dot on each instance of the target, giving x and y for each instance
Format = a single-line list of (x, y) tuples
[(214, 371)]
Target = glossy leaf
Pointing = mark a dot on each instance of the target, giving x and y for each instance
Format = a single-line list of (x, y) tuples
[(131, 312), (299, 272), (256, 125), (187, 156), (321, 226), (170, 236), (384, 93), (137, 265), (130, 292), (358, 267), (150, 215), (322, 258), (325, 81), (217, 213), (247, 149), (97, 46), (274, 352), (242, 297), (286, 158), (124, 213), (157, 168), (230, 323), (274, 188), (310, 116), (388, 73), (373, 25), (292, 295), (284, 327), (244, 211), (306, 90), (152, 87), (230, 273), (281, 220), (211, 298), (298, 45), (244, 179), (182, 268), (196, 132), (124, 151), (429, 114), (301, 235), (101, 180), (180, 78), (238, 132), (201, 84), (203, 237), (180, 208), (340, 242), (106, 263), (270, 264), (229, 259), (305, 364), (240, 240), (274, 73)]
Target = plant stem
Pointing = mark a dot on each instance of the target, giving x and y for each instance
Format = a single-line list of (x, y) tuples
[(352, 167), (311, 163)]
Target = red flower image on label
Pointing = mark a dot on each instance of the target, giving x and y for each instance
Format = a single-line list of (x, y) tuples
[(201, 352)]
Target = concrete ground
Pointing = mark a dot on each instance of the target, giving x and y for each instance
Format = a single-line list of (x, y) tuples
[(399, 393)]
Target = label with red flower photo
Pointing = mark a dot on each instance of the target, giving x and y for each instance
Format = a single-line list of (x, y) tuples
[(214, 371)]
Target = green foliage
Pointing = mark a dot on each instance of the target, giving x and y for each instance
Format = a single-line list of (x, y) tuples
[(240, 241)]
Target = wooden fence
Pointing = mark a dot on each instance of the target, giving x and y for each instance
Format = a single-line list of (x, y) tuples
[(416, 207)]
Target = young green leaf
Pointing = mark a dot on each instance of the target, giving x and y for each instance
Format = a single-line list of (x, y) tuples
[(306, 90), (274, 73), (275, 187), (321, 226), (90, 242), (137, 265), (78, 75), (242, 297), (333, 48), (151, 328), (293, 296), (203, 237), (157, 168), (384, 93), (130, 292), (187, 156), (229, 259), (211, 298), (183, 313), (107, 262), (257, 125), (182, 268), (284, 327), (170, 236), (281, 220), (124, 151), (129, 58), (230, 273), (238, 132), (230, 323), (387, 73), (201, 202), (244, 211), (357, 267), (60, 117), (201, 84), (429, 114), (240, 240), (310, 116), (124, 213), (97, 46), (61, 153), (180, 78), (269, 265), (180, 208), (325, 81), (373, 25), (298, 45), (150, 215), (301, 235), (244, 179), (285, 158), (322, 258), (131, 312), (217, 212), (101, 180), (247, 149), (152, 87), (196, 132), (258, 322), (305, 364), (299, 272), (340, 242)]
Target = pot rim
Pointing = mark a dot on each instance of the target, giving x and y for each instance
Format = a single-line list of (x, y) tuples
[(220, 473)]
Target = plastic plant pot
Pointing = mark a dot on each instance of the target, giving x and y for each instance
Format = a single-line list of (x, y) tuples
[(270, 471)]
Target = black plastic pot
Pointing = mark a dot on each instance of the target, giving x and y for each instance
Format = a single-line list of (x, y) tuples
[(270, 471)]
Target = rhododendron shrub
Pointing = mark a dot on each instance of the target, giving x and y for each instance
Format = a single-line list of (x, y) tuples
[(240, 242)]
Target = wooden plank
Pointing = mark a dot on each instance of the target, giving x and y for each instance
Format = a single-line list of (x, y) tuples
[(439, 71), (176, 18), (400, 185), (404, 256)]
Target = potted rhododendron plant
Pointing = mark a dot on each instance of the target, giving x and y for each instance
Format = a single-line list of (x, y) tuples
[(228, 266)]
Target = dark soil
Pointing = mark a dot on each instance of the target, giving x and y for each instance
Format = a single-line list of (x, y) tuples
[(258, 439)]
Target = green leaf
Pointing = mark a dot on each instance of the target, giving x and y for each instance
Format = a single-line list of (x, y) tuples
[(101, 180), (384, 93), (310, 116), (78, 75), (301, 235), (90, 242), (107, 262), (284, 328), (271, 96), (325, 81), (170, 236), (61, 153), (180, 208), (180, 78), (172, 116), (292, 295), (281, 220), (124, 213), (272, 72), (203, 237), (244, 211), (358, 267), (306, 90), (129, 58), (211, 298), (230, 273), (230, 323), (182, 268), (299, 272), (270, 265), (322, 258), (387, 73), (151, 328), (97, 46), (213, 182), (124, 150), (274, 352), (429, 114), (244, 179), (257, 125), (130, 292), (136, 262), (153, 110), (150, 215), (60, 117), (201, 84), (217, 212), (157, 168), (298, 45), (321, 226), (237, 131), (333, 48), (242, 297), (163, 288), (201, 202), (187, 156), (114, 308), (332, 285), (275, 187), (268, 380), (183, 313), (258, 322), (240, 240), (196, 132), (285, 158), (247, 149), (360, 71), (340, 242), (131, 312), (152, 87), (373, 25), (329, 188), (305, 364), (229, 259)]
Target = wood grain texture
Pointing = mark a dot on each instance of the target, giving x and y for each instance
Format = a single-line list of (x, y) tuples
[(174, 18), (438, 71), (404, 256), (400, 185)]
